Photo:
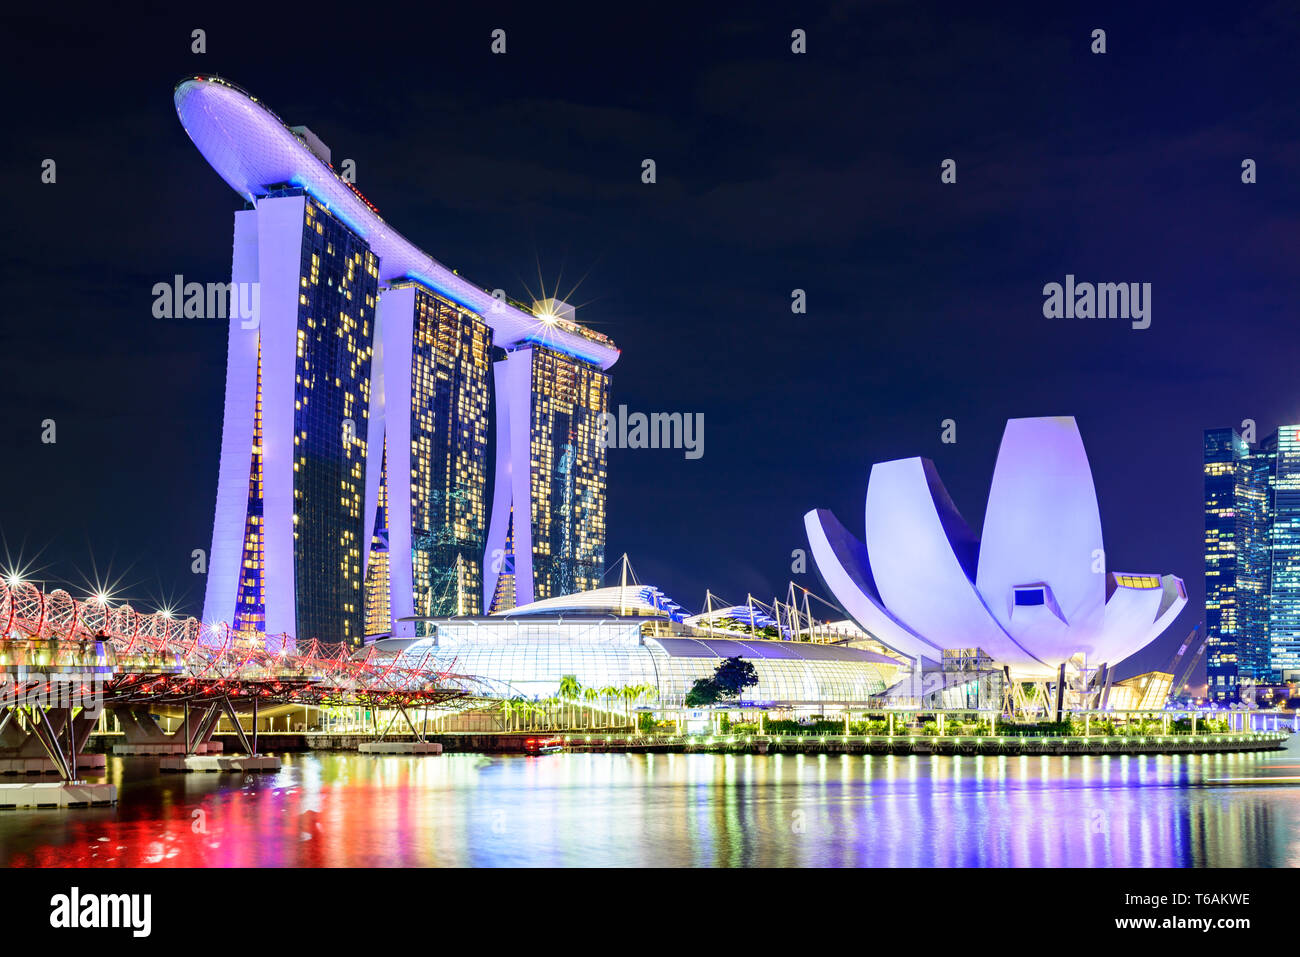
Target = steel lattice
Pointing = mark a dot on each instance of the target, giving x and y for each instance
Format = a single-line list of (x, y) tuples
[(162, 658)]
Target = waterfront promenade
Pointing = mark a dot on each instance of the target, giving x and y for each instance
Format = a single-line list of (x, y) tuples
[(621, 741)]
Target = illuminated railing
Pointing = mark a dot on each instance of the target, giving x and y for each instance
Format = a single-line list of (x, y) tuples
[(1023, 744), (55, 631)]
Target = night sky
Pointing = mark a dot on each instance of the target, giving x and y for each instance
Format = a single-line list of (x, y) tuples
[(775, 172)]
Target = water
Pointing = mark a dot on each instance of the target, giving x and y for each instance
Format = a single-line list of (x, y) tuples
[(680, 810)]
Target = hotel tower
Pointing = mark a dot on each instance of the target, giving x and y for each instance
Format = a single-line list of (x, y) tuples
[(368, 397), (547, 536)]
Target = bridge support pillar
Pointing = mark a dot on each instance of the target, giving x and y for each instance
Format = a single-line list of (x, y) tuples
[(234, 719), (139, 726), (199, 730), (39, 739)]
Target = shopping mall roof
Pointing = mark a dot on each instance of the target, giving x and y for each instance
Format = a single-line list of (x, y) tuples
[(636, 601), (760, 648)]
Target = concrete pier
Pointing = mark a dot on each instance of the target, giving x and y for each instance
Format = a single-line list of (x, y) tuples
[(86, 763), (56, 794), (240, 763), (399, 747), (164, 747)]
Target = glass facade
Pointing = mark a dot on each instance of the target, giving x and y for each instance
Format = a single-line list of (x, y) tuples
[(518, 657), (567, 477), (339, 283), (1284, 594), (1237, 562), (503, 598), (450, 401), (379, 606), (250, 601), (445, 475)]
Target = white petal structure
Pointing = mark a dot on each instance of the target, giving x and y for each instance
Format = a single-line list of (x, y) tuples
[(842, 561), (1032, 593)]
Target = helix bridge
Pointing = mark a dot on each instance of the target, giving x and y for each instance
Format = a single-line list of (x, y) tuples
[(63, 661)]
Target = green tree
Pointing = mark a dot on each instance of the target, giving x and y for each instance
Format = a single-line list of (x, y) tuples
[(704, 693), (729, 679), (734, 675)]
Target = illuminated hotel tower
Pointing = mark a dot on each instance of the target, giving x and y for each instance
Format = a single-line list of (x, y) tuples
[(547, 535), (432, 399), (316, 459), (290, 489)]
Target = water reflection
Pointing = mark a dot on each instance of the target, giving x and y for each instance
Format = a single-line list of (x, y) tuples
[(325, 810)]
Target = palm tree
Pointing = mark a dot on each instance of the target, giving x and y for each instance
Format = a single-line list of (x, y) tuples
[(543, 708), (517, 708), (629, 693), (570, 690), (521, 710), (590, 694), (610, 694), (645, 691)]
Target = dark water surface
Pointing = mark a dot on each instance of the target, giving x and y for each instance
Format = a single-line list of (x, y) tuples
[(329, 809)]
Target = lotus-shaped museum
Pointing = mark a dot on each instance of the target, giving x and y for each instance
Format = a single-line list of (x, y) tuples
[(1032, 593)]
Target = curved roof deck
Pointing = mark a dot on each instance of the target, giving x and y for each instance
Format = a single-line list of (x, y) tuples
[(761, 648), (572, 631), (621, 600), (253, 149)]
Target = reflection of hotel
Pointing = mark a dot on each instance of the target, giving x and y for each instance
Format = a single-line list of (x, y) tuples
[(353, 479)]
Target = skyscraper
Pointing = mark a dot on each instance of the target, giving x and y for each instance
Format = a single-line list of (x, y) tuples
[(547, 535), (1237, 562), (378, 587), (1252, 559), (286, 551), (353, 480), (433, 410), (1284, 592)]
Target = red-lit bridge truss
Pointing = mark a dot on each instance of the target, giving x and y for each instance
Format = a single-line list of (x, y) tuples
[(162, 659)]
